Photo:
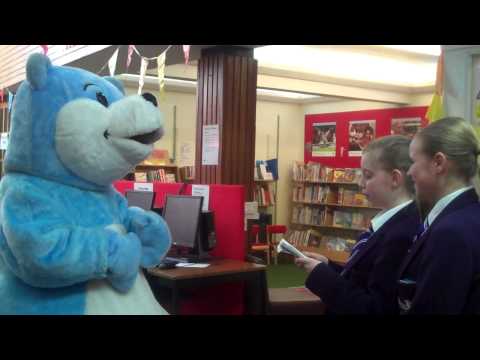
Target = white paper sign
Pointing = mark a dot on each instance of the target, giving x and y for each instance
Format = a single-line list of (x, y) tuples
[(4, 141), (186, 157), (251, 210), (143, 186), (192, 265), (204, 191), (210, 144)]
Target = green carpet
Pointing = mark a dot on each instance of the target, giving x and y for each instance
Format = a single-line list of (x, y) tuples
[(285, 275)]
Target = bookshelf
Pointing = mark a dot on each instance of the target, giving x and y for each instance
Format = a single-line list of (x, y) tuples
[(265, 194), (150, 172), (329, 210)]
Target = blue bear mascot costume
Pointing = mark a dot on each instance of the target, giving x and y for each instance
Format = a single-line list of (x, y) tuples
[(69, 244)]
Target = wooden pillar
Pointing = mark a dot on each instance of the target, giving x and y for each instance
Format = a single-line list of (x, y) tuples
[(226, 95)]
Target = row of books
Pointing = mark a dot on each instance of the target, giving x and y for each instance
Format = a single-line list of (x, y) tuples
[(328, 217), (154, 175), (328, 194), (313, 238), (261, 172), (263, 194), (316, 172), (186, 173)]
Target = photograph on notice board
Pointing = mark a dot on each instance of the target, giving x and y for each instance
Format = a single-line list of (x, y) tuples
[(361, 133), (324, 141), (406, 126)]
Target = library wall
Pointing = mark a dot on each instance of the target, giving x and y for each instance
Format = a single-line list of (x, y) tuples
[(358, 105), (292, 133), (291, 143)]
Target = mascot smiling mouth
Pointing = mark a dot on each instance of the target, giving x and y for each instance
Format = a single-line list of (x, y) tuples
[(149, 137), (153, 136)]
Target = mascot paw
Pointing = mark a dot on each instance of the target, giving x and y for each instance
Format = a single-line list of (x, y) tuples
[(124, 260), (154, 235)]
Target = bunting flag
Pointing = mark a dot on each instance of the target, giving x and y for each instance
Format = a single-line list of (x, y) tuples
[(112, 63), (436, 110), (161, 74), (143, 70), (129, 55), (186, 53), (45, 49), (477, 107), (10, 101)]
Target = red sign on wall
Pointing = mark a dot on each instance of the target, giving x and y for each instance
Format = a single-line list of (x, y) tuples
[(337, 139)]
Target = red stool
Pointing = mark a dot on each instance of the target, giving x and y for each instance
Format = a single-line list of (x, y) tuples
[(272, 244), (258, 246)]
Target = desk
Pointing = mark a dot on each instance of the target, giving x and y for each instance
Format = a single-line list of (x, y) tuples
[(220, 271)]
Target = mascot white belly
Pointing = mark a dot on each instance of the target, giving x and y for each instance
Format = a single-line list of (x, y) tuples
[(102, 299)]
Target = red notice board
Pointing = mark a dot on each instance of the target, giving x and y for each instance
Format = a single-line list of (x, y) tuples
[(319, 128)]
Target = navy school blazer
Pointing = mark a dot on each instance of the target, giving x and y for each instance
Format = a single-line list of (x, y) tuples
[(368, 284), (439, 273)]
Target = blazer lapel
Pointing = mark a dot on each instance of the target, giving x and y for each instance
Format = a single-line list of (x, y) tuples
[(405, 212), (465, 199), (413, 250), (361, 253)]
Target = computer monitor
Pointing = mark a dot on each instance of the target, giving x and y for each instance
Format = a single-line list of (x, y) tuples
[(141, 199), (182, 214), (193, 230)]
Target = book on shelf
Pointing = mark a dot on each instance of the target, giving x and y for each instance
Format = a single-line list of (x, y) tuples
[(328, 174), (170, 178), (358, 220), (335, 243), (342, 219), (140, 176), (348, 197), (338, 175), (186, 173), (272, 167), (261, 172), (352, 175), (331, 196), (360, 200), (314, 239), (157, 157), (264, 195)]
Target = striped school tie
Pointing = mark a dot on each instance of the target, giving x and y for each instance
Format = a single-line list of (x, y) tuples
[(362, 241), (421, 230)]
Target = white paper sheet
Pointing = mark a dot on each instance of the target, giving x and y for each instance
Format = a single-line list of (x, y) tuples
[(204, 191), (210, 144)]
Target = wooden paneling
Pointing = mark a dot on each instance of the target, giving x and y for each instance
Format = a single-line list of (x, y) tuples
[(227, 80)]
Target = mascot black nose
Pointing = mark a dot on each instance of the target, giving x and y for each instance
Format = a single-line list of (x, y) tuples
[(151, 98)]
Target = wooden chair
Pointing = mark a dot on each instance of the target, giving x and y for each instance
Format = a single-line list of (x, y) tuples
[(272, 243)]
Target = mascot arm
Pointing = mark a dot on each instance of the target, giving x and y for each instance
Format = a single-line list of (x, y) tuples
[(152, 231), (46, 250)]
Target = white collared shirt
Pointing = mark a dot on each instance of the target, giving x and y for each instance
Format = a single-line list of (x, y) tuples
[(384, 216), (442, 204)]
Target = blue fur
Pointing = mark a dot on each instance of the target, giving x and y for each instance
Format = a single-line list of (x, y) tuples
[(32, 141), (53, 235)]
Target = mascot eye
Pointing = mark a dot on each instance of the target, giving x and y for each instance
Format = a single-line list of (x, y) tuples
[(102, 99)]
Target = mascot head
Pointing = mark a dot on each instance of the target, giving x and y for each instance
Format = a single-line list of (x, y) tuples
[(74, 127)]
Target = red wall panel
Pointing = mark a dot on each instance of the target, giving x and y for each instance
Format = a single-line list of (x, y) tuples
[(382, 118)]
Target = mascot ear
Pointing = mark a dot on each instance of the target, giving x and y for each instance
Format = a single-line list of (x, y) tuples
[(37, 69), (115, 82)]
